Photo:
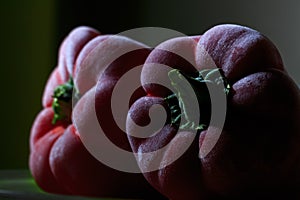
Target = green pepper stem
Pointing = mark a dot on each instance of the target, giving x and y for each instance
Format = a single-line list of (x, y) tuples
[(62, 101), (180, 100)]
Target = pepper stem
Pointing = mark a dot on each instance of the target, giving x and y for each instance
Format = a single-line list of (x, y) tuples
[(62, 101), (181, 99)]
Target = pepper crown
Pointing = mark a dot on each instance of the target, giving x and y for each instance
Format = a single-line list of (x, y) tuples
[(62, 100), (184, 117)]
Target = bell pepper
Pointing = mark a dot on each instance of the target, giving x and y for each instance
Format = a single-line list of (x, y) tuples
[(257, 151), (59, 161)]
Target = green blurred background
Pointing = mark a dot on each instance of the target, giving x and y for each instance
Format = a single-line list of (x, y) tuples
[(32, 30)]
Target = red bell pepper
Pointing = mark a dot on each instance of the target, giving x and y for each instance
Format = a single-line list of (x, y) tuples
[(59, 161), (257, 152)]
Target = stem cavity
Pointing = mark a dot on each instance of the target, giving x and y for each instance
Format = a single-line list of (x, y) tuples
[(62, 101), (181, 117)]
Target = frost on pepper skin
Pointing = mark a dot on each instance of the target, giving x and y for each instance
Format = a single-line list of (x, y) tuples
[(257, 153), (59, 161)]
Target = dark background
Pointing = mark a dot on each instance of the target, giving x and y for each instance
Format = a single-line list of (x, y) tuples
[(32, 30)]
